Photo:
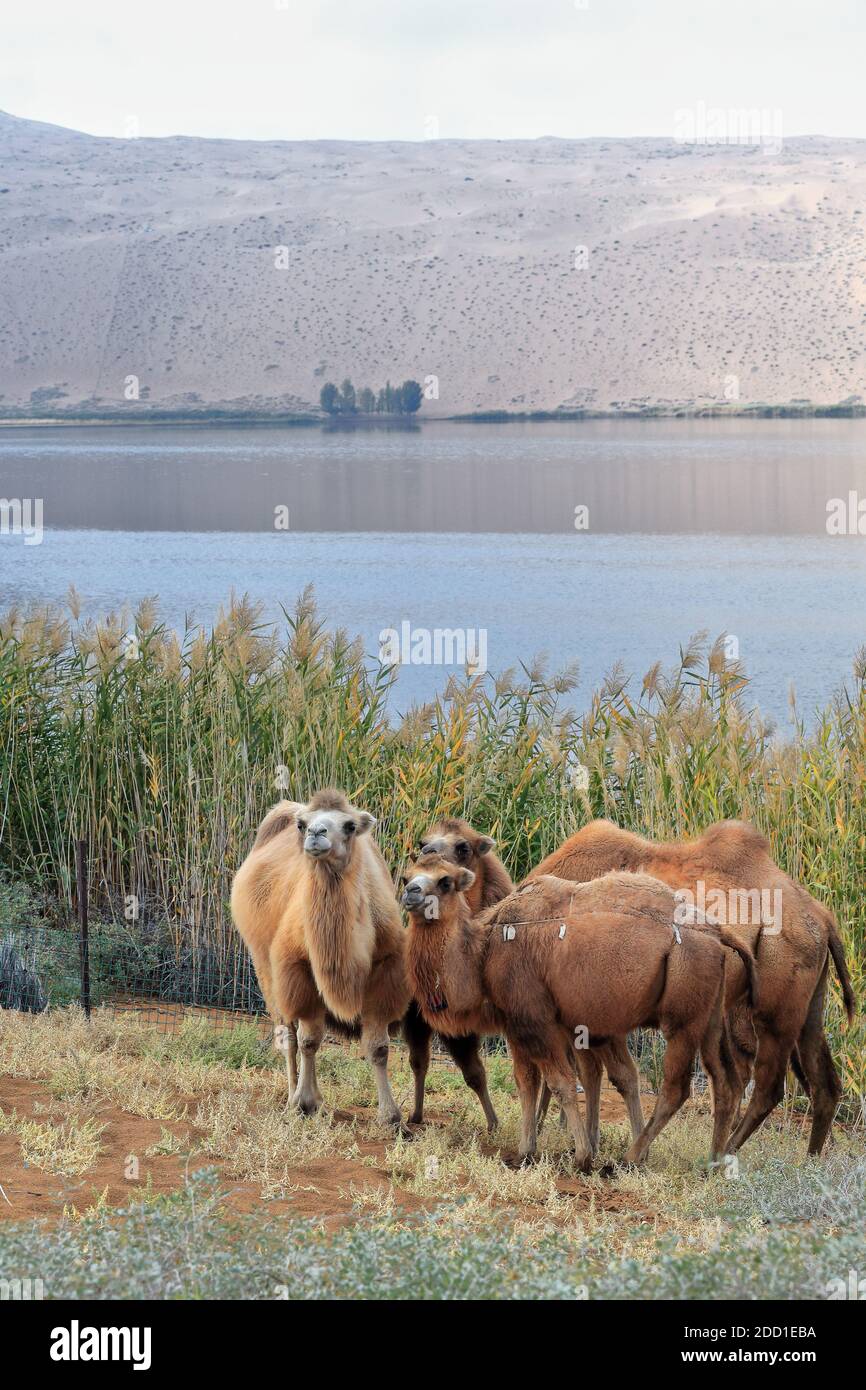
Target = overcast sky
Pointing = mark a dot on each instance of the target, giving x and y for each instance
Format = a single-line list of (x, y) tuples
[(406, 69)]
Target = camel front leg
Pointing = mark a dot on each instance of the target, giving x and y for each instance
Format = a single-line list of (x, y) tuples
[(374, 1044), (308, 1097), (417, 1033)]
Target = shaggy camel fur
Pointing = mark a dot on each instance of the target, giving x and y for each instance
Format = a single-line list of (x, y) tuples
[(455, 840), (315, 905), (559, 966), (733, 859)]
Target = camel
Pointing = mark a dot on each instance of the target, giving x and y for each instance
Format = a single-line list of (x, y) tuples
[(731, 867), (455, 840), (558, 966), (315, 904)]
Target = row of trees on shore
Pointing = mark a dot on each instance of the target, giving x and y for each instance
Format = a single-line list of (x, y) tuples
[(389, 400)]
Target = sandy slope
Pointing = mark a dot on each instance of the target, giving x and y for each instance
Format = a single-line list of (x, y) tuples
[(156, 258)]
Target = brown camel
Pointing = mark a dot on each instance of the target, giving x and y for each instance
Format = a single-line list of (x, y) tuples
[(559, 967), (455, 840), (730, 870), (315, 905)]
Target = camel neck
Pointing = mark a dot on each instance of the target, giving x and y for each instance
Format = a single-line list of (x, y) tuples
[(446, 963), (339, 936)]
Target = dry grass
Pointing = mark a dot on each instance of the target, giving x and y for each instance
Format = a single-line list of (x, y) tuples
[(236, 1116)]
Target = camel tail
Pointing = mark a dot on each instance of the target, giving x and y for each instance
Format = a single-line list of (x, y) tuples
[(743, 950), (837, 951)]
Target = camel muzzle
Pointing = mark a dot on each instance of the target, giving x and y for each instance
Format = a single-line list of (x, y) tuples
[(317, 846), (413, 896)]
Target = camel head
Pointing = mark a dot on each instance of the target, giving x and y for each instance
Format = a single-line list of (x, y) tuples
[(457, 842), (432, 887), (329, 827)]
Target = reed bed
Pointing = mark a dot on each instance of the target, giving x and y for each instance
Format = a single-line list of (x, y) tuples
[(164, 749)]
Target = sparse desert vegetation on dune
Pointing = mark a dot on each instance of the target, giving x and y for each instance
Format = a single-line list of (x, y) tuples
[(524, 275), (111, 1115)]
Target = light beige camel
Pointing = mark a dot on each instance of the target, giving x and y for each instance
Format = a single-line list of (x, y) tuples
[(559, 967), (730, 870), (315, 905)]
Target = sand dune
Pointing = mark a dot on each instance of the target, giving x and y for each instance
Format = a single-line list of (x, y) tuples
[(523, 275)]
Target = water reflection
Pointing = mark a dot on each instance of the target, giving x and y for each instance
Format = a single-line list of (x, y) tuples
[(766, 477)]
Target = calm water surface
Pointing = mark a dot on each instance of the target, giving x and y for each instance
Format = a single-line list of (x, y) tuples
[(716, 525)]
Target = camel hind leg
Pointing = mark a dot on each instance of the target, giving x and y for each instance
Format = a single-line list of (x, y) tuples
[(676, 1084), (560, 1078), (817, 1069), (771, 1064), (625, 1078), (375, 1046), (543, 1105), (719, 1064), (527, 1079), (589, 1066)]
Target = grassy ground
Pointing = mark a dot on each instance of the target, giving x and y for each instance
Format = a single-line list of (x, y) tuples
[(103, 1127)]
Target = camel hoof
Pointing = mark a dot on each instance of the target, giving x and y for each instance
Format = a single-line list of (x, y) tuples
[(609, 1170), (400, 1131), (416, 1118), (307, 1107)]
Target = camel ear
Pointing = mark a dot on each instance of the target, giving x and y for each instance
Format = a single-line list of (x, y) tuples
[(463, 879), (364, 823), (484, 844)]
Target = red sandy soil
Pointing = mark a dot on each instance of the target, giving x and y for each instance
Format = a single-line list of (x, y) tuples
[(324, 1185)]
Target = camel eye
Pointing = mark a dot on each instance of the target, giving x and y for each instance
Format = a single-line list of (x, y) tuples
[(302, 826), (445, 885), (462, 849), (349, 827)]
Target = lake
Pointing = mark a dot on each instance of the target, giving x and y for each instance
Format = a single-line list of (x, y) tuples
[(596, 542)]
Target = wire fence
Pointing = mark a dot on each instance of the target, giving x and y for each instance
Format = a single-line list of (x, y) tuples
[(114, 968)]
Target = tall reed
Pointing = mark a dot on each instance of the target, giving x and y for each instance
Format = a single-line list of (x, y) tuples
[(164, 750)]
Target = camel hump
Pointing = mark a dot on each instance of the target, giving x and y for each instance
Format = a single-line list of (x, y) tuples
[(732, 843), (279, 818), (547, 896), (622, 847), (330, 799)]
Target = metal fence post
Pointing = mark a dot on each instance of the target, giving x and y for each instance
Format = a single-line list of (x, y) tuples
[(84, 944)]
